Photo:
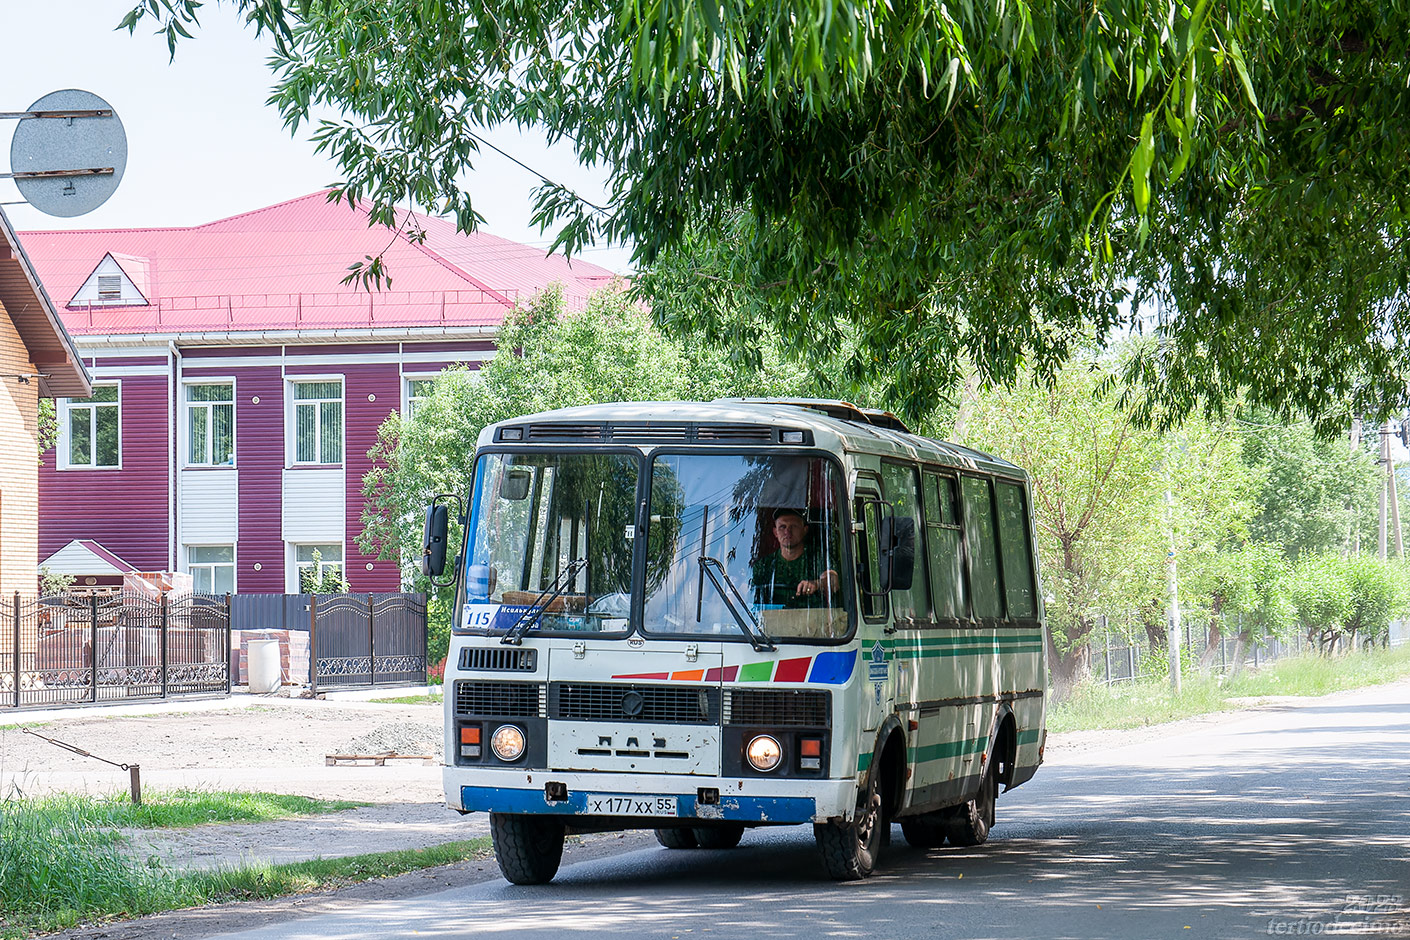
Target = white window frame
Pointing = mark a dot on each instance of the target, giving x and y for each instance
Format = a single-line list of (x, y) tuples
[(291, 437), (406, 396), (184, 431), (292, 582), (65, 411), (234, 564)]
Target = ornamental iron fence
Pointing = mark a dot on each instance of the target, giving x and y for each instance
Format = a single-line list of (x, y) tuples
[(81, 648), (366, 640)]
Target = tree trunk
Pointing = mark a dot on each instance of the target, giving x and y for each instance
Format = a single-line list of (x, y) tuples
[(1240, 647), (1070, 670)]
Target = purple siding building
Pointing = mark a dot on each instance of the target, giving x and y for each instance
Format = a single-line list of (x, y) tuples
[(238, 385)]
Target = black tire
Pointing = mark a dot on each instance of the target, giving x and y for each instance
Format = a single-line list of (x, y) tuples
[(677, 838), (850, 849), (924, 832), (528, 848), (969, 823), (719, 837)]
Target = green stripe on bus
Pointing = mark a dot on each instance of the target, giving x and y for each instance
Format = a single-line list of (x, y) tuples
[(965, 651), (863, 761), (1027, 737), (962, 639), (919, 755)]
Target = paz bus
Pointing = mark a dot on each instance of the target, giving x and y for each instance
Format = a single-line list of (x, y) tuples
[(702, 618)]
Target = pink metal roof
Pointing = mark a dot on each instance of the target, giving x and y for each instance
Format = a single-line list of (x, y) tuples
[(279, 268)]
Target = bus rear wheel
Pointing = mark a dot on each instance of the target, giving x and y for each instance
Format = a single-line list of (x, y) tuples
[(850, 849), (719, 837), (969, 823), (677, 838), (528, 848)]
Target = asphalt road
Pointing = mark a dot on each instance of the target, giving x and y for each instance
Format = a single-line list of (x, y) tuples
[(1290, 821)]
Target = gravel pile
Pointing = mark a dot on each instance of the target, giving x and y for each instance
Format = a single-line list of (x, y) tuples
[(399, 738)]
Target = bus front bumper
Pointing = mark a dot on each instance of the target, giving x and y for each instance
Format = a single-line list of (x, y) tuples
[(766, 802)]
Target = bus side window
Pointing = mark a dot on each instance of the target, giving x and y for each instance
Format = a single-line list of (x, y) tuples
[(942, 541), (983, 548), (1017, 553), (872, 598), (899, 483)]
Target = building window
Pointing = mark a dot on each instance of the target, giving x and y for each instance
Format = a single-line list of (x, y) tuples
[(94, 427), (212, 568), (417, 391), (318, 422), (320, 569), (210, 425)]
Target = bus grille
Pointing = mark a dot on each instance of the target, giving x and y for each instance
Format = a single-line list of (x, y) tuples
[(499, 699), (500, 659), (777, 708), (587, 701)]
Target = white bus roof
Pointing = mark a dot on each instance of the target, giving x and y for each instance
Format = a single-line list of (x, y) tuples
[(741, 421)]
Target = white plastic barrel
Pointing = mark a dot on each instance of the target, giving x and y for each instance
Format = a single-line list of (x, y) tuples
[(265, 673)]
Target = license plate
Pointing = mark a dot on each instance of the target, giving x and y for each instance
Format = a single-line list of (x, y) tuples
[(599, 804)]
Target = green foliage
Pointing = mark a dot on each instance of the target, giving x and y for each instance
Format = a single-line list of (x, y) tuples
[(53, 583), (61, 862), (1100, 479), (1316, 495), (993, 181), (318, 578), (1148, 702)]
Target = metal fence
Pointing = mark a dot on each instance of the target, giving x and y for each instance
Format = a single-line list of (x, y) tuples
[(73, 649), (1399, 632), (367, 639), (1115, 658)]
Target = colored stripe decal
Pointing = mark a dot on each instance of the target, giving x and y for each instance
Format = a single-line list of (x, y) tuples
[(833, 667), (863, 761), (726, 674), (693, 675), (756, 672), (646, 675), (793, 670), (1027, 737)]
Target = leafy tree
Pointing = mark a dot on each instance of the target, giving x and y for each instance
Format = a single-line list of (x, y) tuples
[(1249, 586), (318, 578), (1377, 597), (1316, 492), (1322, 596), (990, 180), (1099, 483)]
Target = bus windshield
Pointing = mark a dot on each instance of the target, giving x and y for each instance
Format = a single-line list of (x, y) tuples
[(551, 531), (772, 523)]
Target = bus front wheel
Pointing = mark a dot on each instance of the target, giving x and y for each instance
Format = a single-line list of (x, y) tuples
[(677, 838), (528, 848), (850, 849)]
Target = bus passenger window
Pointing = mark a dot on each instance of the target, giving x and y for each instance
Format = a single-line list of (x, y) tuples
[(900, 485), (1017, 553), (942, 541), (983, 549), (873, 599)]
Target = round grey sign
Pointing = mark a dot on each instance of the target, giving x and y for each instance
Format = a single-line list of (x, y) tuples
[(43, 145), (632, 703)]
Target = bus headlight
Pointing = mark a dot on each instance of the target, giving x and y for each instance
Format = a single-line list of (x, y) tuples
[(508, 743), (763, 753)]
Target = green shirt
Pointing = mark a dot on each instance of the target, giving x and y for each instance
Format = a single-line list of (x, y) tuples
[(775, 579)]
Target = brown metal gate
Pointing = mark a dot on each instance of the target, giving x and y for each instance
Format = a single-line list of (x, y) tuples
[(74, 649), (367, 640)]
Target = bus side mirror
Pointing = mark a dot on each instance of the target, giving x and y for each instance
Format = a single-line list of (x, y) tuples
[(898, 552), (433, 544)]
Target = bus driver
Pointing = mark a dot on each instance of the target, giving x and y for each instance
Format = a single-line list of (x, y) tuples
[(794, 576)]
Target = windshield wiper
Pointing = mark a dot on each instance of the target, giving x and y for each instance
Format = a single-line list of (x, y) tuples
[(515, 634), (736, 605)]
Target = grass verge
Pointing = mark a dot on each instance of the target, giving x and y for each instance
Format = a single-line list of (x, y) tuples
[(61, 865), (435, 698), (1149, 702)]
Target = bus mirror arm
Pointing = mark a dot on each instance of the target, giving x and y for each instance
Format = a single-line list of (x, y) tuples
[(738, 608)]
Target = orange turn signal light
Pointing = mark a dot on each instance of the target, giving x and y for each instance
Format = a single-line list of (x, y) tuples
[(810, 747), (470, 735)]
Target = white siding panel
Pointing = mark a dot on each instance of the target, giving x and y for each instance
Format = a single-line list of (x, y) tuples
[(209, 512), (313, 506)]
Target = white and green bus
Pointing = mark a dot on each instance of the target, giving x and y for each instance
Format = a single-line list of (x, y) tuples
[(701, 618)]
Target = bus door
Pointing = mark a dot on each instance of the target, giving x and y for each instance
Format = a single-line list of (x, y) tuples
[(873, 633)]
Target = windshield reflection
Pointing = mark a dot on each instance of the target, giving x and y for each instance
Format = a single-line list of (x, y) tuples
[(773, 524)]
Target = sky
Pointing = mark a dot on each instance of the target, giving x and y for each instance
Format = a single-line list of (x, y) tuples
[(202, 143)]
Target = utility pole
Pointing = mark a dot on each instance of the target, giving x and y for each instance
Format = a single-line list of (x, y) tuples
[(1389, 495), (1385, 485), (1355, 527)]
